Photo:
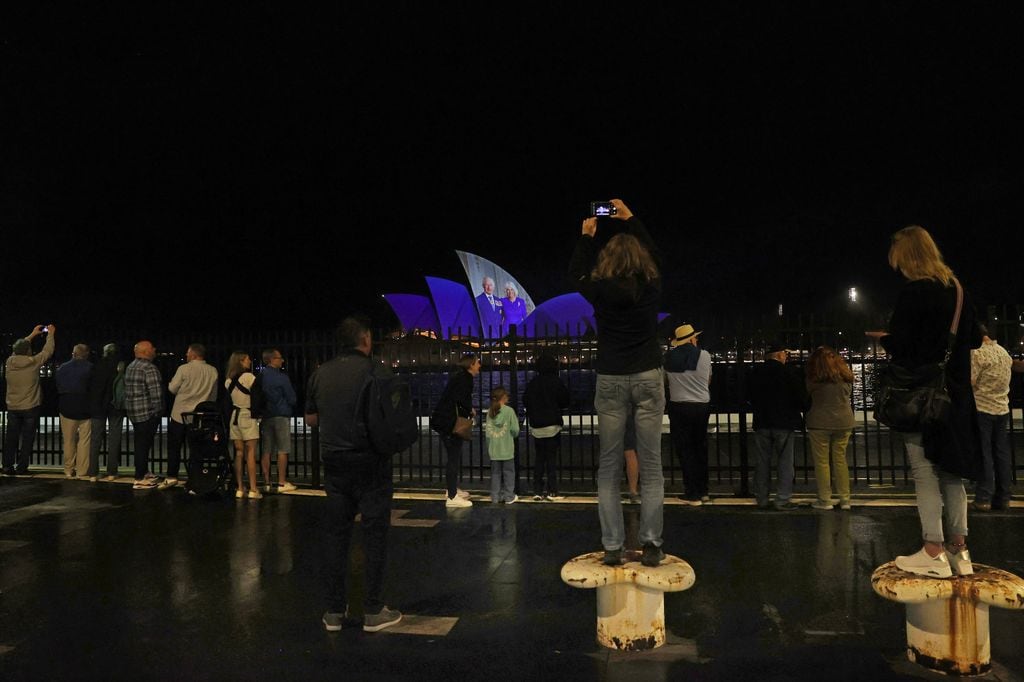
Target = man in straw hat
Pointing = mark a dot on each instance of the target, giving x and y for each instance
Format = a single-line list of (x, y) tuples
[(688, 377)]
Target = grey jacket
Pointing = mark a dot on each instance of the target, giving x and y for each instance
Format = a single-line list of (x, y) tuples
[(23, 392)]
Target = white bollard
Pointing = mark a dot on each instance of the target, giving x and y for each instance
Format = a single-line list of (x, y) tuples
[(947, 618), (630, 597)]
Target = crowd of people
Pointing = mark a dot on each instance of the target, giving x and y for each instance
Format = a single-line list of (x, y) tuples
[(94, 399), (637, 383)]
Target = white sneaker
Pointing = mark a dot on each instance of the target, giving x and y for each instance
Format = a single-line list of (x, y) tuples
[(707, 499), (818, 504), (960, 562), (515, 498), (845, 506), (286, 487), (920, 563), (457, 502), (459, 492), (167, 483)]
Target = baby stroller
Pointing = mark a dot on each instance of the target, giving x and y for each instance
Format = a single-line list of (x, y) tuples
[(209, 463)]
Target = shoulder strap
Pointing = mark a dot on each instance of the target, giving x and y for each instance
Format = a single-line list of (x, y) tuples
[(956, 320)]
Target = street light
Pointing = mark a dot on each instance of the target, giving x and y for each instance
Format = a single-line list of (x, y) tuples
[(853, 294)]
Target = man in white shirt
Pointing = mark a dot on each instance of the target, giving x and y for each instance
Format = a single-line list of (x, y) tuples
[(990, 376), (195, 382)]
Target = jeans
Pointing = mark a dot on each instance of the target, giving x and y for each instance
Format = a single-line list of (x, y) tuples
[(503, 476), (938, 493), (21, 431), (614, 399), (364, 488), (145, 434), (114, 420), (773, 442), (546, 466), (689, 431), (829, 445), (996, 479), (452, 446)]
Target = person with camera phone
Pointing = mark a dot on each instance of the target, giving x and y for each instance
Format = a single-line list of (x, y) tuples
[(622, 281)]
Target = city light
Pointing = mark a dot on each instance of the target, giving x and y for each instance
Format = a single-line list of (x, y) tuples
[(853, 294)]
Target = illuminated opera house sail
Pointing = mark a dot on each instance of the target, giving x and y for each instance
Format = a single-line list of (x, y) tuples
[(493, 306)]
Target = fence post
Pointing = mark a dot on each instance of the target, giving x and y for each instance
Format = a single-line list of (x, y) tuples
[(315, 444), (744, 465)]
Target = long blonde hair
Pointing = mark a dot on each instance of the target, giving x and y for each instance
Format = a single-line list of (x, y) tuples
[(235, 369), (625, 256), (497, 393), (826, 366), (914, 253)]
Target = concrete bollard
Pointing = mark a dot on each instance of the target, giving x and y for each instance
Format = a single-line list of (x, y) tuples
[(947, 618), (630, 597)]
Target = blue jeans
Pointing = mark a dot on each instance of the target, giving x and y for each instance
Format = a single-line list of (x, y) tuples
[(773, 442), (616, 397), (996, 479), (21, 434), (503, 480), (938, 493)]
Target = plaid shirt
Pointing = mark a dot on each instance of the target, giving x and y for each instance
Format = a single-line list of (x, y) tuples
[(143, 390)]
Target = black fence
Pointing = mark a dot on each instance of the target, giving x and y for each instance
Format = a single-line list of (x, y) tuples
[(875, 455)]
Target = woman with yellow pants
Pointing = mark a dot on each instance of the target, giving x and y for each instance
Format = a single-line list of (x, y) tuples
[(829, 424)]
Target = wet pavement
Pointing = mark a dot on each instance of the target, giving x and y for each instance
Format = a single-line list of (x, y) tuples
[(98, 581)]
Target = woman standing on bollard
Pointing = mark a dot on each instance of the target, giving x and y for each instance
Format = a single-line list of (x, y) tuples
[(941, 457), (623, 283), (829, 424)]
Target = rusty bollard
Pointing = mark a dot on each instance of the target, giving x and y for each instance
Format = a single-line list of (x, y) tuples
[(630, 597), (947, 618)]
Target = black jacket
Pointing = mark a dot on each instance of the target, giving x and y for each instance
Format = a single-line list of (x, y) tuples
[(545, 398), (776, 396), (626, 310), (918, 335), (101, 387), (456, 397)]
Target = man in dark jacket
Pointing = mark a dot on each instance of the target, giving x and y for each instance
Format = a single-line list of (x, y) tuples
[(356, 480), (545, 399), (73, 405), (776, 395), (106, 406)]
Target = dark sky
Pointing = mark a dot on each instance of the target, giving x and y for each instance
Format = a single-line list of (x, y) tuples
[(268, 167)]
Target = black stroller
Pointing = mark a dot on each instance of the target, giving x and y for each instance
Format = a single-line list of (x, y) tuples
[(209, 462)]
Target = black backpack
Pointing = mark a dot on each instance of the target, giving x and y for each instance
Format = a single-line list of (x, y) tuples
[(384, 413), (257, 399)]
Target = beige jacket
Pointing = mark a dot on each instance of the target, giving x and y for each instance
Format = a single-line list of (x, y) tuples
[(23, 392)]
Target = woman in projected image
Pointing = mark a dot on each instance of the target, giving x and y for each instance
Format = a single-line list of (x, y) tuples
[(514, 307), (941, 457)]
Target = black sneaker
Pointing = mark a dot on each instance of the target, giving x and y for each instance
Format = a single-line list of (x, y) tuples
[(652, 555), (786, 506), (612, 557), (375, 622)]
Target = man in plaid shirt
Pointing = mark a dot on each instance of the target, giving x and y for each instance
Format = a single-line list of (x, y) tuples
[(144, 402)]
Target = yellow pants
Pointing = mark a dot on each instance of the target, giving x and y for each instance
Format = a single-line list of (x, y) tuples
[(826, 445)]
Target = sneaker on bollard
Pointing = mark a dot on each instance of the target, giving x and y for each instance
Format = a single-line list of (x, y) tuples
[(374, 622), (612, 557), (921, 563), (652, 555)]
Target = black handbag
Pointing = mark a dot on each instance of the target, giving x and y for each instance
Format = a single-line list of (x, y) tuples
[(915, 400)]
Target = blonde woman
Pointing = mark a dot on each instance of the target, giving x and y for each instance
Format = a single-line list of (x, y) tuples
[(943, 456), (829, 424), (244, 430)]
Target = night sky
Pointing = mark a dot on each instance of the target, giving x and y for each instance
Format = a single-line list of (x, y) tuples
[(272, 168)]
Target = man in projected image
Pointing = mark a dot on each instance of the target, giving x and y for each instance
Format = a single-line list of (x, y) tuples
[(491, 314)]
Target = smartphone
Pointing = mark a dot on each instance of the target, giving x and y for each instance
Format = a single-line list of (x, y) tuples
[(602, 208)]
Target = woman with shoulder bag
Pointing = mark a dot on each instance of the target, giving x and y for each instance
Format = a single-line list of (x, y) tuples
[(940, 456), (456, 401)]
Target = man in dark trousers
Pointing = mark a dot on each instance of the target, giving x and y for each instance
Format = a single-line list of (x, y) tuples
[(356, 479), (776, 395)]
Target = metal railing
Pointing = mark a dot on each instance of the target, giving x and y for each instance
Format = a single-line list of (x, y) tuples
[(875, 455)]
